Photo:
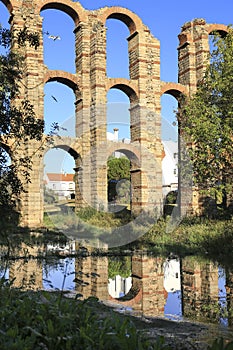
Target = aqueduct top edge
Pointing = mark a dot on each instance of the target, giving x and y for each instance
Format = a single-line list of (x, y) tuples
[(80, 14)]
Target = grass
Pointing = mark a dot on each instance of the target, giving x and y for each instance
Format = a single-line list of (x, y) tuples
[(210, 238), (194, 236)]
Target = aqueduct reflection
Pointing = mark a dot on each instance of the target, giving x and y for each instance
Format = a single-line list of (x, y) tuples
[(197, 287)]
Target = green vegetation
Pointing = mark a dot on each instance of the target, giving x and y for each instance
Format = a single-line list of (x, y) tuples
[(207, 121), (17, 118), (194, 236), (50, 321), (119, 180), (118, 168)]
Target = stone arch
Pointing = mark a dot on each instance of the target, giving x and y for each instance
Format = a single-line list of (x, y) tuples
[(8, 5), (130, 19), (69, 150), (129, 150), (74, 10), (130, 88), (62, 77), (173, 89), (132, 152), (67, 144), (222, 29)]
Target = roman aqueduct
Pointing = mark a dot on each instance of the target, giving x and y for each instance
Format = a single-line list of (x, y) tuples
[(90, 84)]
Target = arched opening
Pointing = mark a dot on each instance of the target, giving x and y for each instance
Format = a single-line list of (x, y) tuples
[(59, 108), (59, 40), (170, 144), (5, 15), (122, 166), (117, 60), (169, 108), (119, 187), (119, 276), (118, 116), (59, 183)]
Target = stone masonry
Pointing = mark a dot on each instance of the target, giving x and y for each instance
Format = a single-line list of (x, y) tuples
[(90, 84)]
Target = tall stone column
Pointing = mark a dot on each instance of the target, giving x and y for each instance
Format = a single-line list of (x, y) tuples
[(98, 119), (31, 87), (144, 60), (83, 112)]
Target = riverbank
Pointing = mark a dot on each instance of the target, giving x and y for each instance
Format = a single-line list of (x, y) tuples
[(45, 320)]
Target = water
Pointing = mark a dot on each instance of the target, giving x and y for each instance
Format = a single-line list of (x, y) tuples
[(174, 288)]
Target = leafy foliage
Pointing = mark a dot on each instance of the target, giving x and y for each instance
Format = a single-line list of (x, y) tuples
[(18, 123), (207, 120), (118, 168), (49, 321)]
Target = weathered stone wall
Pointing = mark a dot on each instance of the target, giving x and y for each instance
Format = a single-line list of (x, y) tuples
[(91, 84)]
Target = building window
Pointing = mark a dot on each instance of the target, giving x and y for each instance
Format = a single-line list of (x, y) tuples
[(174, 171), (175, 155)]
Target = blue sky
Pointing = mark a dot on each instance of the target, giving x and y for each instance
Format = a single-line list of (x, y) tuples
[(164, 19)]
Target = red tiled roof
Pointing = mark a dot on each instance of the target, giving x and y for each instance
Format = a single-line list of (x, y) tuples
[(60, 177)]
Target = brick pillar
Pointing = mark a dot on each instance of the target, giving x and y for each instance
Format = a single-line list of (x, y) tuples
[(144, 60), (98, 119), (191, 287), (82, 104), (99, 278), (32, 90), (193, 53), (82, 275), (92, 277), (150, 278)]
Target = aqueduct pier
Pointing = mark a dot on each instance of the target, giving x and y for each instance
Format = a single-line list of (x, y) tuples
[(91, 84)]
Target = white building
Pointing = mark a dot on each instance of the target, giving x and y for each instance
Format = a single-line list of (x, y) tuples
[(62, 184), (170, 167)]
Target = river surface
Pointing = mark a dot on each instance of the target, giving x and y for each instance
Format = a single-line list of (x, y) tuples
[(137, 282)]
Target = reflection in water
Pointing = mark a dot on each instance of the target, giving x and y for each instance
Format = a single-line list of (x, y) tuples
[(119, 286), (60, 275), (150, 286)]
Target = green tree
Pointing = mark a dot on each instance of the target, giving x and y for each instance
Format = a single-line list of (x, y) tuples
[(118, 168), (18, 123), (207, 123)]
